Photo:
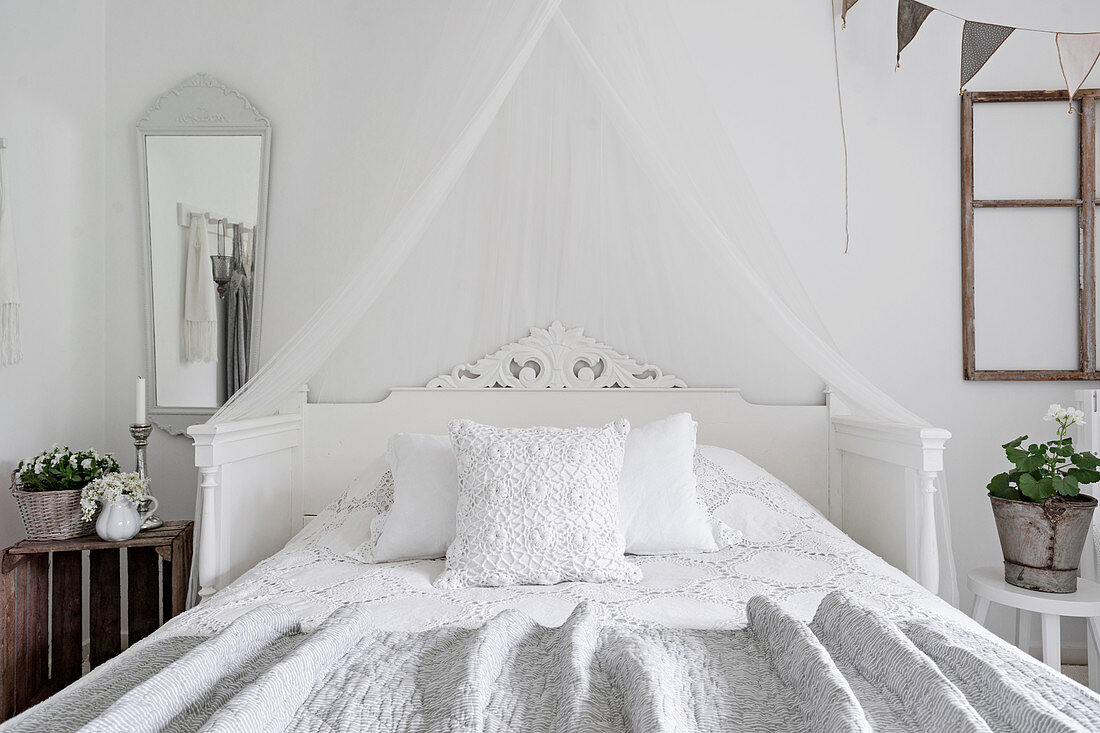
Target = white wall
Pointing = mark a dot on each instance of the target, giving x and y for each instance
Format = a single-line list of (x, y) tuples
[(333, 78), (51, 113), (893, 303)]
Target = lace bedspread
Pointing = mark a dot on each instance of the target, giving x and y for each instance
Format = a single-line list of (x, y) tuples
[(787, 552)]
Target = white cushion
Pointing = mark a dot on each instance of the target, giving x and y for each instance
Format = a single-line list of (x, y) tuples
[(421, 522), (537, 506), (659, 509)]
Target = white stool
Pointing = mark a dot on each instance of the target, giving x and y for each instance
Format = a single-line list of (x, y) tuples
[(988, 585)]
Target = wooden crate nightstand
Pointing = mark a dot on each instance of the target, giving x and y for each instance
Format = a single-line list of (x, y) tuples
[(155, 590)]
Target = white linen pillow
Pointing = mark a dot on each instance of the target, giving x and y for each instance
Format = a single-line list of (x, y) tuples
[(659, 509), (421, 521), (537, 506)]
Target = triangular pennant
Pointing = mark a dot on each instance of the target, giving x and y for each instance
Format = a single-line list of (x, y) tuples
[(911, 15), (1077, 54), (844, 12), (979, 42)]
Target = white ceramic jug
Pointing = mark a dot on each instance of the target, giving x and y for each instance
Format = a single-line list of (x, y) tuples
[(120, 520)]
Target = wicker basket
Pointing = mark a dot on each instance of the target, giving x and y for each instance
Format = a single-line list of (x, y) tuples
[(50, 515)]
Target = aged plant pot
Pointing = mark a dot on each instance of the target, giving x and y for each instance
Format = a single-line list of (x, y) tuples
[(1042, 543)]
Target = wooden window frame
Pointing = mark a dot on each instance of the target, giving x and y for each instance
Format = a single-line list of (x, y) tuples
[(1086, 204)]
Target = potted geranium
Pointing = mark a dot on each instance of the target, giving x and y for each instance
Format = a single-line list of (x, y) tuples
[(47, 490), (1042, 516)]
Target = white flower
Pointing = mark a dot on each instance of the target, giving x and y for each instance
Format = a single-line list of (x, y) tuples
[(86, 463), (1064, 415), (110, 488)]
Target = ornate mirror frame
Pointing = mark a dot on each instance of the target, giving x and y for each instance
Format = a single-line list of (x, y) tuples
[(200, 105)]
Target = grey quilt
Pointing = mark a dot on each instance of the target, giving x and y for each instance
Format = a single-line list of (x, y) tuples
[(851, 669)]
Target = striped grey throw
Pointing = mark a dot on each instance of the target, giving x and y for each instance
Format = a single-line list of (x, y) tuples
[(851, 669)]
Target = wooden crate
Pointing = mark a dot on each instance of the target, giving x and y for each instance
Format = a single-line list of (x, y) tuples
[(29, 672)]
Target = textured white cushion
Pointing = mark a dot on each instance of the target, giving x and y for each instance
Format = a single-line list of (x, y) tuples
[(421, 521), (659, 509), (537, 506)]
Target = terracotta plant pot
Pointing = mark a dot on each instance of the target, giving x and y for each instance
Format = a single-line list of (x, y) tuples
[(1042, 543)]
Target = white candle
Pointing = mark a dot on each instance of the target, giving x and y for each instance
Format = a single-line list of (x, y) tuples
[(139, 414)]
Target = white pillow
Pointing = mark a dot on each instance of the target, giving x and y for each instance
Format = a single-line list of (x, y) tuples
[(659, 509), (421, 522), (537, 506)]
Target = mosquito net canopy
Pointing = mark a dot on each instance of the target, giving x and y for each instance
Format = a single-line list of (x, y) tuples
[(565, 164)]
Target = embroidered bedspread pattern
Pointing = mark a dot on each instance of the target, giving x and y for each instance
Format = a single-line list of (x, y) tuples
[(789, 553), (850, 670)]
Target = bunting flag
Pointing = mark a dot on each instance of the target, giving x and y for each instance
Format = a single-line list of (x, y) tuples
[(911, 16), (844, 11), (979, 42), (1077, 54)]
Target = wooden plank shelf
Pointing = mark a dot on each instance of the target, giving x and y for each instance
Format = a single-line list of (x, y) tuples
[(41, 642)]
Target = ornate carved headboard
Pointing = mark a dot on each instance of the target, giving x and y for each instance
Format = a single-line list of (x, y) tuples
[(556, 357), (873, 479), (559, 376)]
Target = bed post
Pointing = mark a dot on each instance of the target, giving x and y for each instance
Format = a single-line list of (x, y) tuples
[(884, 476), (928, 552), (208, 537), (251, 491)]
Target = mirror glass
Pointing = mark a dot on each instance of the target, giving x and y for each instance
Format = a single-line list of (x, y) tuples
[(209, 182), (204, 162)]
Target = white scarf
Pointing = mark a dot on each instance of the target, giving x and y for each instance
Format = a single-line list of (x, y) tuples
[(200, 298), (11, 351)]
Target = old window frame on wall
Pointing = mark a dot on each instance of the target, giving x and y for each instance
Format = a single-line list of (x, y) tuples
[(1086, 203)]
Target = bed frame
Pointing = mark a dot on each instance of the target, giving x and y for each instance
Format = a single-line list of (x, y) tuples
[(262, 479)]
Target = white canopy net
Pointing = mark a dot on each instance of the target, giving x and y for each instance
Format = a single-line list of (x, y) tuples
[(566, 164)]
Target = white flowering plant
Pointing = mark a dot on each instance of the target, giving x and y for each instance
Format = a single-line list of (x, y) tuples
[(62, 469), (112, 487), (1044, 470)]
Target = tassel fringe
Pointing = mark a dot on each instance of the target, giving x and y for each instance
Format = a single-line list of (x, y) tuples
[(200, 341), (11, 345)]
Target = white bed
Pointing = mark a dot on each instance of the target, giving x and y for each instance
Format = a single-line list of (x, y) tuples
[(875, 480), (789, 552), (861, 523)]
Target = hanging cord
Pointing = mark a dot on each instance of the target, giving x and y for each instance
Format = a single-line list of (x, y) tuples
[(843, 132), (1015, 27)]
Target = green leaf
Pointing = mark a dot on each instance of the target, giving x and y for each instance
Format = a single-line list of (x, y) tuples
[(1085, 460), (1016, 454), (1036, 489), (1069, 486), (1000, 486), (1031, 463), (1014, 443), (1086, 475), (1028, 486)]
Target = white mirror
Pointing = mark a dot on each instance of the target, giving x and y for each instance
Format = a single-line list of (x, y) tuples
[(204, 155)]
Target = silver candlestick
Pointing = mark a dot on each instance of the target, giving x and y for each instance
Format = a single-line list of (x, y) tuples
[(140, 433)]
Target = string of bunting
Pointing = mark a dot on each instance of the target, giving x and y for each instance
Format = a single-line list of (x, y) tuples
[(1077, 52)]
